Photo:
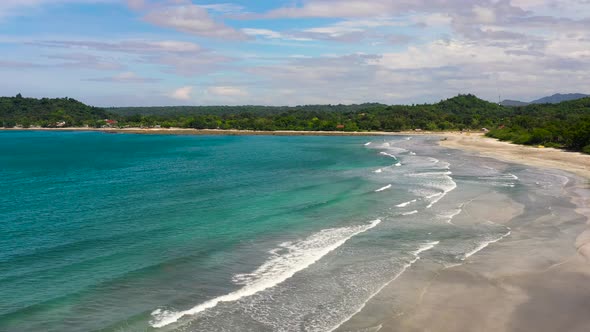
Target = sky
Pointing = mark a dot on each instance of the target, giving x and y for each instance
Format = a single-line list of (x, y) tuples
[(292, 52)]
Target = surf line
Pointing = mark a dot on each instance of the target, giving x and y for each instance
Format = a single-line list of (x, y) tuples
[(274, 271), (383, 189), (406, 203), (484, 244), (416, 254), (388, 155)]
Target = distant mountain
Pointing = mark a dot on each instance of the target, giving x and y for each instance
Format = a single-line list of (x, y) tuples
[(513, 103), (558, 98), (555, 99)]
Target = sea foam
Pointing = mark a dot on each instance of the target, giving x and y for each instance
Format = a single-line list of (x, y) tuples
[(285, 261), (388, 155), (484, 244), (423, 248), (440, 181), (383, 189), (406, 203)]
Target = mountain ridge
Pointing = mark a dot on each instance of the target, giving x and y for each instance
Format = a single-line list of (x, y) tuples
[(553, 99)]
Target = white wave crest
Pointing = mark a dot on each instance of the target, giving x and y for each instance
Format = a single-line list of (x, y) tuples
[(388, 155), (285, 261), (378, 171), (484, 244), (406, 203), (437, 181), (383, 189), (452, 214), (409, 213), (421, 249), (368, 143)]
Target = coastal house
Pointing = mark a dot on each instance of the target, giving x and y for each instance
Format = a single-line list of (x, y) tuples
[(340, 126), (110, 123)]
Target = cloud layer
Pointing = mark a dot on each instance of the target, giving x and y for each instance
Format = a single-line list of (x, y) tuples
[(316, 51)]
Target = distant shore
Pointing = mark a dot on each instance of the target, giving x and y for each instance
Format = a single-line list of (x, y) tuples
[(573, 162), (236, 132)]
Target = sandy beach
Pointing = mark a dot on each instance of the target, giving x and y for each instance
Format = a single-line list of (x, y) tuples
[(536, 279), (573, 162)]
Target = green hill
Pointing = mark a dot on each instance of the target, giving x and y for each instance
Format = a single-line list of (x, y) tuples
[(564, 125), (47, 112)]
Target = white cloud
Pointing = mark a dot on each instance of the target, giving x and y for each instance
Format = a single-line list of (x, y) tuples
[(125, 46), (136, 4), (227, 91), (24, 7), (484, 15), (263, 33), (125, 77), (226, 8), (183, 93), (194, 20)]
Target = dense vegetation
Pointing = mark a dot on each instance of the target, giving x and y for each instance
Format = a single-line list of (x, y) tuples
[(461, 112), (565, 125), (65, 112)]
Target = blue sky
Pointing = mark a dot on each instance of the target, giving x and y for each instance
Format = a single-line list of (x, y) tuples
[(183, 52)]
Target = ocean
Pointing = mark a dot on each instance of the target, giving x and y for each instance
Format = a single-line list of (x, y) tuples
[(125, 232)]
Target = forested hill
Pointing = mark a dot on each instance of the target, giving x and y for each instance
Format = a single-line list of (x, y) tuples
[(47, 112), (172, 111), (564, 125), (461, 112)]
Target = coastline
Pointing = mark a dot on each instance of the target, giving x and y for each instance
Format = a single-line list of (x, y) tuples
[(546, 158), (536, 279), (573, 162), (224, 132), (512, 285)]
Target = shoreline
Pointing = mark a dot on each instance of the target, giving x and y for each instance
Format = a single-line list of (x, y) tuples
[(204, 132), (573, 162), (535, 279), (236, 132), (547, 158)]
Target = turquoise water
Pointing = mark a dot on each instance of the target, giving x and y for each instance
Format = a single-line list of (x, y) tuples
[(122, 232)]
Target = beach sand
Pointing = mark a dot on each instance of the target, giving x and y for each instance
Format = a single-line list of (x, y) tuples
[(572, 162), (536, 279)]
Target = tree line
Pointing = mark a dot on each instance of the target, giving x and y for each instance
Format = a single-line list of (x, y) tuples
[(564, 125)]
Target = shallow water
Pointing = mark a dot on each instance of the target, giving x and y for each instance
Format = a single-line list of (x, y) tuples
[(192, 233)]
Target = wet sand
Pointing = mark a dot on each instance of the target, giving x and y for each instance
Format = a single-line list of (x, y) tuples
[(536, 279), (573, 162)]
